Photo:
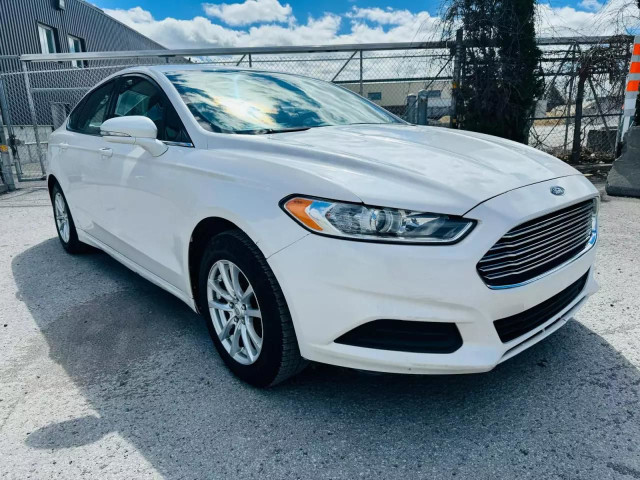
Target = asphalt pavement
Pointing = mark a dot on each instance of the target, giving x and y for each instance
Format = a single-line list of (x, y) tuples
[(103, 375)]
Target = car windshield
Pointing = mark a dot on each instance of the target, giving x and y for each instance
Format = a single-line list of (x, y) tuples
[(232, 101)]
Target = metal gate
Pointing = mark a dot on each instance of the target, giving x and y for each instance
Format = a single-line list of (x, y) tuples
[(27, 142)]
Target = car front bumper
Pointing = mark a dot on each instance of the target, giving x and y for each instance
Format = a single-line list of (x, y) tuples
[(332, 286)]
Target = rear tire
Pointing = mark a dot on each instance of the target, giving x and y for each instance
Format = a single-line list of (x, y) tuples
[(65, 226), (247, 308)]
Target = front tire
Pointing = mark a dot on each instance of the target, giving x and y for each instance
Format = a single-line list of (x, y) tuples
[(247, 315)]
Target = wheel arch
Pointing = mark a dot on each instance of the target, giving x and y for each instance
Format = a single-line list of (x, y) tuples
[(200, 236), (51, 182)]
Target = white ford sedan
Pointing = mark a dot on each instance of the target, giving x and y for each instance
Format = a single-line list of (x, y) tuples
[(306, 223)]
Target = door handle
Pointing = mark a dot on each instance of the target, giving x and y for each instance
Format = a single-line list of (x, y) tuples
[(106, 152), (63, 146)]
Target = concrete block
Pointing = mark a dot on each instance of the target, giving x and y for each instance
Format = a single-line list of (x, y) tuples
[(624, 176)]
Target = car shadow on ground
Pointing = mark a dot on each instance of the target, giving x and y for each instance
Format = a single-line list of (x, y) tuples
[(146, 365)]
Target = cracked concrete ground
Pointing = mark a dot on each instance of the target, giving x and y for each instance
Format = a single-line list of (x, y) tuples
[(103, 375)]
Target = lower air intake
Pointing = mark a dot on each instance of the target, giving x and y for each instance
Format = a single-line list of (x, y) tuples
[(512, 327), (405, 336)]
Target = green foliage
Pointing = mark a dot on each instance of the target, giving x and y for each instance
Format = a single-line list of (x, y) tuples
[(501, 77)]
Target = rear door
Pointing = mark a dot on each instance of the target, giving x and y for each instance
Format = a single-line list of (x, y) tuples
[(82, 160), (144, 208)]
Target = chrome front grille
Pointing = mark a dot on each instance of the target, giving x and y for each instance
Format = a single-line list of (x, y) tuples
[(537, 246)]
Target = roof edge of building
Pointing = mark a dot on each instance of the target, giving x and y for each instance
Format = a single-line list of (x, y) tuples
[(90, 5)]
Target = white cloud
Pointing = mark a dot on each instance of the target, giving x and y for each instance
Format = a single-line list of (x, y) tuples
[(388, 16), (173, 33), (250, 11), (420, 27), (364, 25), (593, 5), (564, 21), (133, 15), (322, 30), (613, 17), (202, 32)]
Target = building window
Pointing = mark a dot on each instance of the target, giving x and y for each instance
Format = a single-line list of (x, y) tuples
[(47, 39), (374, 95), (76, 45)]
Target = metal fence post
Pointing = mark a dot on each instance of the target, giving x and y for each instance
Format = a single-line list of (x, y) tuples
[(455, 84), (7, 123), (571, 81), (412, 110), (361, 75), (423, 106), (6, 171), (34, 119)]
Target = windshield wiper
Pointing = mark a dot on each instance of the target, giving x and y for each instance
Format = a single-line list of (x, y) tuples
[(267, 131)]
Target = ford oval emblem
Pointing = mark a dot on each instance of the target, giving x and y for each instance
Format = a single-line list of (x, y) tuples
[(556, 190)]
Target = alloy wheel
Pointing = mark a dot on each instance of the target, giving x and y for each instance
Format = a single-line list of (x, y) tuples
[(235, 312), (62, 218)]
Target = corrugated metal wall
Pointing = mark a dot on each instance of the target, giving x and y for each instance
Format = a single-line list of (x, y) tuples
[(19, 27), (19, 21)]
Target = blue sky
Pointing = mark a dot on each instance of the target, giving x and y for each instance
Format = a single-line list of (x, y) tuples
[(190, 23), (301, 8)]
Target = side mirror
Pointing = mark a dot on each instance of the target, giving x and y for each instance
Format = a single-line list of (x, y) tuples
[(134, 130)]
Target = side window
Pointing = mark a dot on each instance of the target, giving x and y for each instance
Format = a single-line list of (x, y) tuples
[(137, 96), (89, 115), (48, 40)]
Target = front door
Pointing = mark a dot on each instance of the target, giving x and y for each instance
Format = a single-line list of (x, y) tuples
[(142, 208), (82, 159)]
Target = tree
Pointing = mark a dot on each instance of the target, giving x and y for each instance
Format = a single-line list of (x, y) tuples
[(500, 79)]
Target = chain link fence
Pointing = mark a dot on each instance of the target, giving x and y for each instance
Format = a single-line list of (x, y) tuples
[(42, 93), (413, 81), (584, 95), (25, 139)]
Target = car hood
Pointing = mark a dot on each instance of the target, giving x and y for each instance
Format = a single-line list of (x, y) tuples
[(421, 168)]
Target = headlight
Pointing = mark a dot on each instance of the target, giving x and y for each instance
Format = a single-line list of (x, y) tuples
[(594, 219), (361, 222)]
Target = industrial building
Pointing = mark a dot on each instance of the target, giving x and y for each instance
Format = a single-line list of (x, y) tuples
[(50, 27), (395, 95), (62, 26)]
